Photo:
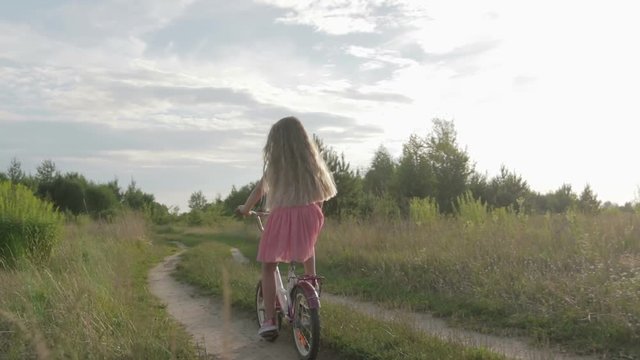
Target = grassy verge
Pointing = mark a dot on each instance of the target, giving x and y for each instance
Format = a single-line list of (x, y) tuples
[(355, 336), (90, 300), (570, 279)]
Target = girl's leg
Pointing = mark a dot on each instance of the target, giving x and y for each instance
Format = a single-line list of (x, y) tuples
[(310, 266), (310, 269), (269, 289)]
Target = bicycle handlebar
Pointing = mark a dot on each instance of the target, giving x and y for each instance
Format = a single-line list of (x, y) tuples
[(258, 215)]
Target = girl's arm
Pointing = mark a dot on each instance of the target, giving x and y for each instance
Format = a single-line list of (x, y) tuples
[(252, 200)]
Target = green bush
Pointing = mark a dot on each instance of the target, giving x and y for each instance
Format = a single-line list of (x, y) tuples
[(423, 211), (102, 202), (384, 207), (471, 209), (195, 218), (157, 214), (29, 227)]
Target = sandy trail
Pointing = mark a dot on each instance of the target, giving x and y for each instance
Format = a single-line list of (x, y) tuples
[(513, 348), (204, 318)]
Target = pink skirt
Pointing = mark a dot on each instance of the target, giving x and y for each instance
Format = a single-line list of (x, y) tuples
[(291, 234)]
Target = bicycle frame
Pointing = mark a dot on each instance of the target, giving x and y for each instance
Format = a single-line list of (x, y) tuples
[(283, 294)]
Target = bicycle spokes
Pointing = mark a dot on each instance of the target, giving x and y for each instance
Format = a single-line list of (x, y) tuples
[(302, 320), (301, 328), (302, 339), (306, 326)]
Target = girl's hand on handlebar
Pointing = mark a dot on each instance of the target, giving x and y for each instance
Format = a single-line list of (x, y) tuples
[(243, 210)]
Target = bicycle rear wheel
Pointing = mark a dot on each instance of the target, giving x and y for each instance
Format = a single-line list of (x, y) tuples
[(306, 326)]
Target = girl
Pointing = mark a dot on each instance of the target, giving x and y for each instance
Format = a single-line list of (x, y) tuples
[(297, 182)]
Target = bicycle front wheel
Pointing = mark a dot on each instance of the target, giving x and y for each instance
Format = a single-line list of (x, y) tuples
[(306, 326)]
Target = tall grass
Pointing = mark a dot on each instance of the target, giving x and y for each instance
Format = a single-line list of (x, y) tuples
[(90, 299), (571, 278), (29, 227), (354, 335)]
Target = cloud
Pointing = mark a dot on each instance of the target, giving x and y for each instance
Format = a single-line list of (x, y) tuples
[(521, 81), (68, 138), (283, 55), (186, 95), (174, 69), (194, 84), (87, 23), (463, 52), (141, 96), (190, 57), (26, 46), (38, 140), (345, 17), (380, 56), (372, 96), (335, 18)]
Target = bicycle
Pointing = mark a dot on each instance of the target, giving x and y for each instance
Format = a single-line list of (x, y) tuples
[(298, 305)]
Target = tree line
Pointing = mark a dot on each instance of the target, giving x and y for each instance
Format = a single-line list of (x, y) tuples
[(433, 168), (73, 194)]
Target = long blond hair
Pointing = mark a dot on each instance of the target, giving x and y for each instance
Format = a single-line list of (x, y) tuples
[(294, 171)]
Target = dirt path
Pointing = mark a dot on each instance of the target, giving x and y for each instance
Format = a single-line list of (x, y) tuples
[(204, 318), (513, 348)]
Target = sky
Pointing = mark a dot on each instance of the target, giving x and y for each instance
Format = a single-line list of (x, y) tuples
[(180, 95)]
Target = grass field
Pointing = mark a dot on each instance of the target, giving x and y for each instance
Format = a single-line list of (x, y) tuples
[(90, 300), (565, 279), (353, 335), (568, 279)]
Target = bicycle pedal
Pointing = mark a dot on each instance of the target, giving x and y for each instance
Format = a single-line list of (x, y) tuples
[(270, 335)]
